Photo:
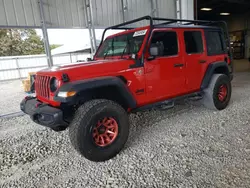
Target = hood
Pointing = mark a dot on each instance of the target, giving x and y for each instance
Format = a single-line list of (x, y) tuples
[(90, 69)]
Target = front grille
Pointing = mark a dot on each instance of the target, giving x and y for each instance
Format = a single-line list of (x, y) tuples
[(42, 84)]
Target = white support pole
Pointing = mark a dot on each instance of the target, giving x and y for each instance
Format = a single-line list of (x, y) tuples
[(123, 13), (70, 56), (178, 9), (92, 27), (124, 5), (152, 8), (157, 9), (18, 68), (45, 33), (89, 19), (186, 9)]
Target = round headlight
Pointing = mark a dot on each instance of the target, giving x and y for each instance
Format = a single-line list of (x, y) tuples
[(53, 84)]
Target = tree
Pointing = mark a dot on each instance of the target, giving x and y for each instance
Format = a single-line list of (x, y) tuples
[(53, 46), (21, 42), (32, 43), (10, 41)]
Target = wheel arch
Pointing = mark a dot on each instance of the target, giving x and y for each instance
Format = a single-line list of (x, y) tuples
[(111, 88), (214, 68)]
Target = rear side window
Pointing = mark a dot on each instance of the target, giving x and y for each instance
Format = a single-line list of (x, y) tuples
[(193, 42), (167, 40), (215, 43)]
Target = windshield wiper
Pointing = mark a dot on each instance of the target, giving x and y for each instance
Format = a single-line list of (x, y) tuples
[(112, 46), (128, 43), (106, 52)]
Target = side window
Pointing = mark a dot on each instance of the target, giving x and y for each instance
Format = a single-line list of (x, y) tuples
[(167, 40), (193, 42), (215, 43)]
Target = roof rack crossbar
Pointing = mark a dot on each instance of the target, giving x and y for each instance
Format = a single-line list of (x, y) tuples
[(166, 23), (180, 20), (206, 23)]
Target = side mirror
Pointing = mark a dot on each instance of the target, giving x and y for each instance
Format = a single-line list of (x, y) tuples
[(154, 51)]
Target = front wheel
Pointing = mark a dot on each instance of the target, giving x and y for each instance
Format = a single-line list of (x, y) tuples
[(99, 129), (218, 93)]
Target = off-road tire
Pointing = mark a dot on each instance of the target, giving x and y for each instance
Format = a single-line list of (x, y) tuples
[(80, 130), (210, 97)]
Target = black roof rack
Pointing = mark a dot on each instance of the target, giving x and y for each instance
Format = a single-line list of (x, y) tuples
[(168, 21)]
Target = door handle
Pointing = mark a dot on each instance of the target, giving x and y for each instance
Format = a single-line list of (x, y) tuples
[(178, 65), (202, 61)]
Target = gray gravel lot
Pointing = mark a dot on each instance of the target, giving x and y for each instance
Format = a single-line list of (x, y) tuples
[(187, 146), (11, 92)]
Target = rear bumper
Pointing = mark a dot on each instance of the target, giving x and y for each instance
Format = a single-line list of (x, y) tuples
[(42, 113)]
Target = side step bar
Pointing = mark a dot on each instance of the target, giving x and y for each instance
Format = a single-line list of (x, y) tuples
[(166, 104), (157, 105)]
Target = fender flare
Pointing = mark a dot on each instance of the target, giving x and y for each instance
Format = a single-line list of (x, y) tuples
[(210, 71), (88, 84)]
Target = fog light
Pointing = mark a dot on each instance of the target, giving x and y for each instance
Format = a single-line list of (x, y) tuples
[(45, 118)]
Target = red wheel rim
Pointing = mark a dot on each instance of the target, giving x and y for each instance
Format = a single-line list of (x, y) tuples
[(105, 131), (222, 94)]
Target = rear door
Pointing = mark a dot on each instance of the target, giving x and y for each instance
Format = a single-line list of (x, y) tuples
[(216, 46), (195, 58)]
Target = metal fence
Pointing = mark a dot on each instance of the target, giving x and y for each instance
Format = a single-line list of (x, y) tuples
[(18, 67)]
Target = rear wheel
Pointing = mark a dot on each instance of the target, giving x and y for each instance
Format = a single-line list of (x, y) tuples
[(99, 129), (218, 93)]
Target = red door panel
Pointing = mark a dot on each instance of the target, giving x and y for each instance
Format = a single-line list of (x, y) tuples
[(196, 66), (165, 75), (195, 58), (163, 79)]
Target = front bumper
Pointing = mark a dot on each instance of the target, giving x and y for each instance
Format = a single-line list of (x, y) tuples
[(42, 113)]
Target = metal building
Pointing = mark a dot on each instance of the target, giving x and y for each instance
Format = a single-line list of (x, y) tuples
[(91, 14)]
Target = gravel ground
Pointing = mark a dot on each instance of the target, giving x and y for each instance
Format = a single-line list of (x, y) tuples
[(11, 93), (187, 146)]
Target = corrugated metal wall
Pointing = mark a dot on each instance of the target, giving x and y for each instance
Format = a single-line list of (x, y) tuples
[(111, 12), (58, 13), (71, 13), (19, 13), (65, 13)]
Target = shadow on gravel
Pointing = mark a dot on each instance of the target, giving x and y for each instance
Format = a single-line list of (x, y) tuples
[(145, 121), (12, 115)]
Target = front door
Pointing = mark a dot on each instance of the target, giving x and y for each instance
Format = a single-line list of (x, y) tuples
[(164, 75)]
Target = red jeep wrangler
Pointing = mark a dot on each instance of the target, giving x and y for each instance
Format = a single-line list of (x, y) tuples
[(134, 70)]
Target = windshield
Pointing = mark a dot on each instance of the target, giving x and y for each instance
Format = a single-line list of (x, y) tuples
[(121, 45)]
